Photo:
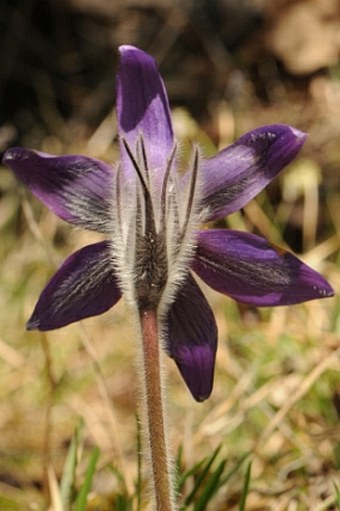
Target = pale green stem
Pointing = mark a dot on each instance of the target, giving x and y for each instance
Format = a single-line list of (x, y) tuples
[(157, 441)]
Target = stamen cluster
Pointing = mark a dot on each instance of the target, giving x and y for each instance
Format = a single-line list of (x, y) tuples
[(154, 240)]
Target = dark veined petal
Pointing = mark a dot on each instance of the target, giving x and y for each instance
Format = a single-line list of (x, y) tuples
[(143, 108), (192, 339), (238, 173), (251, 270), (84, 286), (74, 187)]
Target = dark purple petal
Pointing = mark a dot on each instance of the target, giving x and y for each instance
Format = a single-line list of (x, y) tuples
[(84, 286), (143, 108), (238, 173), (251, 270), (192, 339), (76, 188)]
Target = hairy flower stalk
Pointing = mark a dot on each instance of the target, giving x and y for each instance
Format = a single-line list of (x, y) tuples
[(151, 214), (153, 399)]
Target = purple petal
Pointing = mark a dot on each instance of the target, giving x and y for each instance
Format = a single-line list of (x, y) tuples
[(238, 173), (192, 339), (76, 188), (251, 270), (142, 107), (84, 286)]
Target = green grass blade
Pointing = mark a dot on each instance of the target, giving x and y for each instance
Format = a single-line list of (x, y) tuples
[(191, 472), (245, 490), (122, 503), (67, 482), (86, 486), (212, 485), (234, 470), (337, 495), (189, 499), (180, 477)]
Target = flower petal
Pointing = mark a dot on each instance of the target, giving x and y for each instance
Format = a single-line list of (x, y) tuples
[(251, 270), (143, 108), (76, 188), (192, 339), (84, 286), (238, 173)]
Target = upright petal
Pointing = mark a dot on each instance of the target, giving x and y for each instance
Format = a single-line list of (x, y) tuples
[(192, 339), (143, 108), (238, 173), (84, 286), (76, 188), (251, 270)]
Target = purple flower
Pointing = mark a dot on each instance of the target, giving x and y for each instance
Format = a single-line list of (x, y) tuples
[(151, 214)]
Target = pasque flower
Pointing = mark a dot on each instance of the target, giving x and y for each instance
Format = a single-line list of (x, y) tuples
[(151, 213)]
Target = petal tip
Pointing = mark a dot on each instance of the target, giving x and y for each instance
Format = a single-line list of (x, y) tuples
[(326, 291), (298, 133), (285, 133), (201, 399), (33, 324), (316, 285), (8, 156), (127, 47), (196, 365), (12, 154), (129, 53), (300, 136)]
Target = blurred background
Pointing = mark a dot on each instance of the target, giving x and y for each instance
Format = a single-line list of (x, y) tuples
[(229, 66)]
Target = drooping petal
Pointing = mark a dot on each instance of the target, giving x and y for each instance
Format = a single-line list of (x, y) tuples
[(251, 270), (238, 173), (76, 188), (192, 339), (143, 108), (84, 286)]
